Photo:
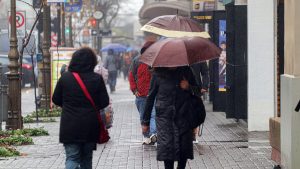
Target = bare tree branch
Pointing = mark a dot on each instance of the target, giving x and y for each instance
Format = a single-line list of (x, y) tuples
[(26, 39), (114, 15), (29, 5)]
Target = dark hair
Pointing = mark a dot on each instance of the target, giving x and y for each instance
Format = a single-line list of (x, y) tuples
[(83, 60), (146, 46)]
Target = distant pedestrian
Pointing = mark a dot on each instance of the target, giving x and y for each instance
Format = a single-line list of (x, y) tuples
[(126, 61), (63, 69), (101, 70), (79, 126), (200, 71), (171, 87), (139, 80), (111, 64)]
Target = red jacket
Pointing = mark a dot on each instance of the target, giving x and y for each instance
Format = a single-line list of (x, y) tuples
[(142, 82)]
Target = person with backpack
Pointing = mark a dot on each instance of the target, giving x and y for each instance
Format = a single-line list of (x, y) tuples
[(200, 71), (139, 80)]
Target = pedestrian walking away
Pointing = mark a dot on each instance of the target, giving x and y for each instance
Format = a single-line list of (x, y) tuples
[(110, 63), (200, 71), (171, 87), (79, 126), (139, 80)]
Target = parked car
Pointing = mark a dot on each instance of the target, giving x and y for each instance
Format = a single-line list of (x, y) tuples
[(27, 75), (27, 61)]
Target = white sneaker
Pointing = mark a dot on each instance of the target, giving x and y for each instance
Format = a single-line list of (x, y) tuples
[(147, 141), (153, 138), (195, 141)]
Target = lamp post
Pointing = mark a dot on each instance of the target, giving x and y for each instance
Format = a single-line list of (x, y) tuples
[(71, 31), (45, 100), (14, 120), (63, 21)]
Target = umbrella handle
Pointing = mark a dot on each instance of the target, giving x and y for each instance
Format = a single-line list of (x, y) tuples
[(297, 107)]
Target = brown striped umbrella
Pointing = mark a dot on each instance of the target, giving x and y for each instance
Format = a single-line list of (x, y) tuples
[(175, 52), (174, 26)]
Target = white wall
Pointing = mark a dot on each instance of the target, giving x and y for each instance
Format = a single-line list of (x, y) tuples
[(261, 64)]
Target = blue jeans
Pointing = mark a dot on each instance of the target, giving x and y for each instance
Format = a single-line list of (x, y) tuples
[(79, 155), (140, 104), (112, 80)]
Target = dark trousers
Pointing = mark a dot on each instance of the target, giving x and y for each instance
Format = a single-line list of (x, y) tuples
[(112, 80)]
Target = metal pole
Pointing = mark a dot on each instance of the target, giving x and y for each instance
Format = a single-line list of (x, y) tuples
[(14, 120), (71, 31), (45, 100), (99, 37), (34, 85), (63, 21), (59, 27)]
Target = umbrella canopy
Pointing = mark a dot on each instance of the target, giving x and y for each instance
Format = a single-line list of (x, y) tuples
[(174, 26), (175, 52), (114, 46)]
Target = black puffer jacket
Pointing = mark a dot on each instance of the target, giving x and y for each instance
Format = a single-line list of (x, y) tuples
[(79, 119), (175, 138)]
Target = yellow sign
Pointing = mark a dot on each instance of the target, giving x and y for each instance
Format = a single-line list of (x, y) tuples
[(203, 17), (59, 57)]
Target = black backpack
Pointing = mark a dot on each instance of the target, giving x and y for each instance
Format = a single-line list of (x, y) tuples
[(134, 67)]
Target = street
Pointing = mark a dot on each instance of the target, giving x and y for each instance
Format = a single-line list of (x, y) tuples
[(225, 144)]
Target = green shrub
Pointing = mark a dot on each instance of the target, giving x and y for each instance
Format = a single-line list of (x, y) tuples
[(25, 132), (28, 119), (16, 140), (8, 152), (55, 112)]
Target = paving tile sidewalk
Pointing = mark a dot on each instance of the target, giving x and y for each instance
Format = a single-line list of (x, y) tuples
[(225, 144)]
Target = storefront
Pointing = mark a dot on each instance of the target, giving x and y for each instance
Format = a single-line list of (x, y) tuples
[(228, 74)]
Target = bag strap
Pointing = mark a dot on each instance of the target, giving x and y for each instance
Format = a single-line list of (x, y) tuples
[(84, 89)]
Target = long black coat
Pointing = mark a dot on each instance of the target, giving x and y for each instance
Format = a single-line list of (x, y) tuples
[(79, 119), (175, 138)]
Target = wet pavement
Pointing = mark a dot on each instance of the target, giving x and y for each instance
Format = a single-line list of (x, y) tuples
[(224, 144)]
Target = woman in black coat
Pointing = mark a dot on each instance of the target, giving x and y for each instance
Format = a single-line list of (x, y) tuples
[(171, 88), (79, 127)]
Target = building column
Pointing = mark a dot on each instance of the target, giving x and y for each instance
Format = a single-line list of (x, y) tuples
[(261, 64), (290, 88)]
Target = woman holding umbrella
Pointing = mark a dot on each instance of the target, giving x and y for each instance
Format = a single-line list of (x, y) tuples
[(172, 87)]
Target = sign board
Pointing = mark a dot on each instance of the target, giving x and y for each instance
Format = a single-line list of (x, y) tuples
[(59, 57), (56, 1), (98, 15), (203, 5), (222, 59), (73, 5), (20, 23)]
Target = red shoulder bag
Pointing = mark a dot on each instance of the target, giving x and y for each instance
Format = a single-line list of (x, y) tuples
[(104, 135)]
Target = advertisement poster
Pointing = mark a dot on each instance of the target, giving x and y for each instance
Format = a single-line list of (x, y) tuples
[(59, 59), (222, 59), (203, 5)]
